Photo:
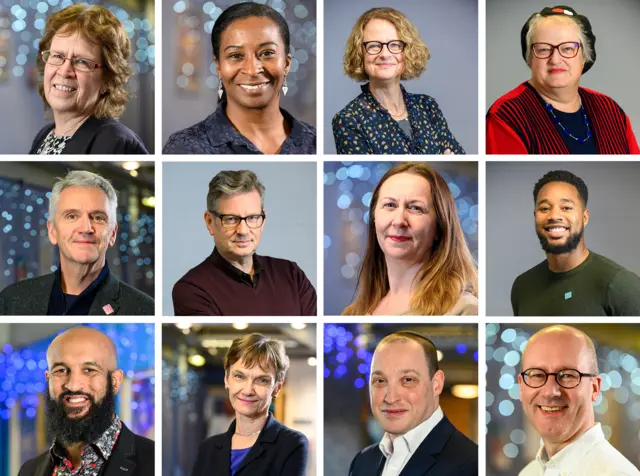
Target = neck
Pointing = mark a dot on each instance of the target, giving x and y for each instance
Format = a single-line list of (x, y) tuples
[(74, 453), (67, 124), (243, 263), (77, 277), (389, 95), (560, 263), (261, 121), (553, 448), (246, 425), (402, 276), (563, 99)]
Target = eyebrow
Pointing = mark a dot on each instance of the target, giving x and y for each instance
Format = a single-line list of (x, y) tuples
[(562, 200), (88, 363), (403, 371), (260, 45), (75, 210), (79, 55)]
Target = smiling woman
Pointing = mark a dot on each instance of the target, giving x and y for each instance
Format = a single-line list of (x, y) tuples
[(251, 52)]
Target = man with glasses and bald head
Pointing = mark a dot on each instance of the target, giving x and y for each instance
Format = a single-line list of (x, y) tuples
[(559, 383), (234, 280)]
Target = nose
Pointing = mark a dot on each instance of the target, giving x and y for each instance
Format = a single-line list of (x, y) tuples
[(555, 57), (551, 388), (66, 68), (391, 395), (554, 213), (252, 65), (399, 218), (74, 383), (242, 228), (85, 225), (247, 388)]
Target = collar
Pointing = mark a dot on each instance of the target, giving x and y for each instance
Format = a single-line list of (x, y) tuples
[(220, 131), (414, 437), (84, 299), (235, 273), (566, 459), (375, 104), (103, 446)]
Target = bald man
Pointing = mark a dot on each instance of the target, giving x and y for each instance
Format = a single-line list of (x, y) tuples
[(558, 386), (89, 438)]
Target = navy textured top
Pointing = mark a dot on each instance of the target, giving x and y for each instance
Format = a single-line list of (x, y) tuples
[(216, 135), (62, 304), (365, 127)]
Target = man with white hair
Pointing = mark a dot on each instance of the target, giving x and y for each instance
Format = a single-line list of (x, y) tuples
[(82, 223)]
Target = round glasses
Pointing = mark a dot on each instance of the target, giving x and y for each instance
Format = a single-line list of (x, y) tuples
[(545, 50), (375, 47), (232, 221), (566, 378), (78, 64)]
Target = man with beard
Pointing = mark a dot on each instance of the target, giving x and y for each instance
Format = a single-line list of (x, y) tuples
[(558, 385), (89, 439), (572, 281)]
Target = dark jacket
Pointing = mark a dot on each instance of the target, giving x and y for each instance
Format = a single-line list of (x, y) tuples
[(31, 297), (97, 136), (278, 451), (132, 455), (444, 452)]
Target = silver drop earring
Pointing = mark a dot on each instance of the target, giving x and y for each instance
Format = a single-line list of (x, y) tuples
[(285, 88), (220, 90)]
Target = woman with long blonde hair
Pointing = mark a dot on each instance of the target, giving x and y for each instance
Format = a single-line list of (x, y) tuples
[(417, 260)]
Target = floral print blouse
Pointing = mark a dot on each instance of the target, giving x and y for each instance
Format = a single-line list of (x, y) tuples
[(365, 127)]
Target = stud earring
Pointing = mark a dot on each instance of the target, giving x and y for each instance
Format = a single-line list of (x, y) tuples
[(220, 90), (285, 88)]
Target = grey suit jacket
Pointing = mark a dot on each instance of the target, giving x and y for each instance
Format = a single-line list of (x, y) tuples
[(31, 298)]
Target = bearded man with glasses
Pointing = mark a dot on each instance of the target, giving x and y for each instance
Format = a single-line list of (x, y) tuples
[(234, 280), (558, 384)]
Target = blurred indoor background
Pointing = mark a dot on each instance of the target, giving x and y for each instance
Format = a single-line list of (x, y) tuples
[(195, 404), (348, 187), (349, 425), (23, 362), (189, 78), (21, 27), (511, 441), (25, 249)]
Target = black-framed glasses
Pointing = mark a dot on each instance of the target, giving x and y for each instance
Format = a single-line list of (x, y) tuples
[(566, 378), (375, 47), (78, 64), (232, 221), (545, 50)]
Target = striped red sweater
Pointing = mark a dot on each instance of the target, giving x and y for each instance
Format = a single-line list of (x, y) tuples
[(518, 123)]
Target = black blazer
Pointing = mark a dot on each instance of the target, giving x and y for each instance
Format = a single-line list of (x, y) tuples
[(132, 455), (30, 297), (279, 451), (97, 136), (444, 452)]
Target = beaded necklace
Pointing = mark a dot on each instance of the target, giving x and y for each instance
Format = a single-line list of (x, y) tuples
[(549, 108)]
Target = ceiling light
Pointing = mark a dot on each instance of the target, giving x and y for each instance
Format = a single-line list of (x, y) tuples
[(465, 391), (131, 165), (240, 326), (196, 360)]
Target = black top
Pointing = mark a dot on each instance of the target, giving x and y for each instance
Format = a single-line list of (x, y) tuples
[(62, 304), (216, 135), (96, 136), (278, 451), (574, 123)]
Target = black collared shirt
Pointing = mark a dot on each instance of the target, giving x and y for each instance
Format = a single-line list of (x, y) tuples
[(62, 304), (216, 135)]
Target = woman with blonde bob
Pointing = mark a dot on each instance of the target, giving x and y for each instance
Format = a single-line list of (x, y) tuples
[(417, 261), (83, 61), (384, 48), (256, 444)]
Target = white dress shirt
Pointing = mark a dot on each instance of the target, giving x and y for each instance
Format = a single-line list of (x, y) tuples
[(399, 451), (590, 455)]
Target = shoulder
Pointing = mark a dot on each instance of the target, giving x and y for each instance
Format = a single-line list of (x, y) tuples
[(32, 286), (292, 438), (595, 94), (191, 140), (531, 469), (134, 301), (463, 445), (144, 446), (467, 305), (606, 268), (532, 274), (365, 454), (199, 272), (29, 467), (279, 264), (616, 463), (40, 136), (502, 101), (354, 109), (113, 136)]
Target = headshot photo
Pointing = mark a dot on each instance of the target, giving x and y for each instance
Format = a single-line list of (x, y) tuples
[(239, 400), (77, 79), (78, 238), (541, 99), (237, 242), (240, 77), (77, 399), (561, 257), (401, 238), (401, 399), (403, 80), (563, 399)]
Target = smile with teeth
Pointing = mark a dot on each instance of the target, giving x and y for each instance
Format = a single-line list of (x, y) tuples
[(254, 87), (60, 87), (551, 409), (556, 229)]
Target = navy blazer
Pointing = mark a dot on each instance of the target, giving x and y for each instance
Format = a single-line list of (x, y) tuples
[(444, 452), (278, 451)]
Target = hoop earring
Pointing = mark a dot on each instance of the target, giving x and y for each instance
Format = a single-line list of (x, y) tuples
[(285, 88)]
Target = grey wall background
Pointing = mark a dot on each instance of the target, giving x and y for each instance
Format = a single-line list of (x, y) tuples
[(289, 231), (616, 71), (512, 244), (450, 30)]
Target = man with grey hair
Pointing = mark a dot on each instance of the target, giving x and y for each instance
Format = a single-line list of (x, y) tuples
[(82, 223), (559, 383), (234, 280)]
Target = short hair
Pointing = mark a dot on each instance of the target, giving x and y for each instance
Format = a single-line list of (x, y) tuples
[(416, 52), (99, 26), (535, 20), (256, 349), (429, 348), (82, 178), (562, 176), (243, 10), (230, 182)]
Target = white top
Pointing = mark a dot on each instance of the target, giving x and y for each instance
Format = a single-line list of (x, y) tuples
[(590, 455), (399, 451)]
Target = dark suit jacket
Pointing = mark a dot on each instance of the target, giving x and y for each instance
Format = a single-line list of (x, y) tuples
[(30, 297), (444, 452), (133, 455), (279, 451), (97, 136)]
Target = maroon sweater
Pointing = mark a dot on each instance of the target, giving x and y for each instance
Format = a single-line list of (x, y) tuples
[(217, 288)]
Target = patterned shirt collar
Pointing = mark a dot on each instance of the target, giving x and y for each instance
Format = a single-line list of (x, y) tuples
[(374, 103)]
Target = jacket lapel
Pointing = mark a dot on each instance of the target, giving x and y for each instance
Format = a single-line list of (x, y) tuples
[(426, 455), (268, 436), (106, 302), (45, 468), (80, 141), (122, 461)]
